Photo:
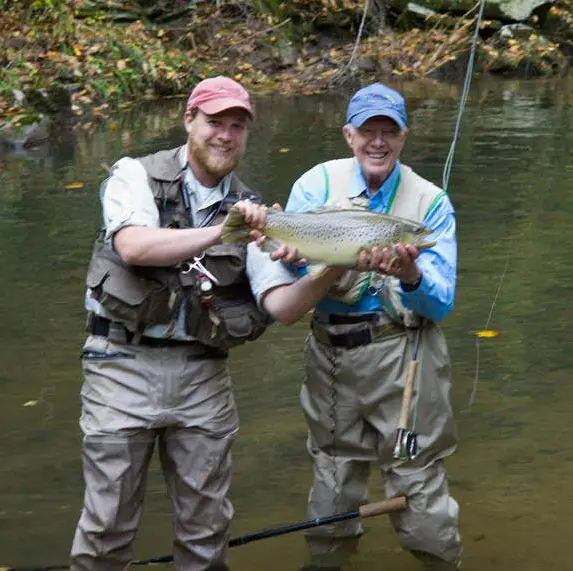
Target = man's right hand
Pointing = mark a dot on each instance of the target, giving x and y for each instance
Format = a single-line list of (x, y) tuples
[(255, 215)]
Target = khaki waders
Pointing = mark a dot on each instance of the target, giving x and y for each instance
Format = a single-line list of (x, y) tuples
[(351, 399), (133, 397)]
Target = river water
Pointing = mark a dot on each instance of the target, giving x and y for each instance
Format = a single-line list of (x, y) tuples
[(512, 186)]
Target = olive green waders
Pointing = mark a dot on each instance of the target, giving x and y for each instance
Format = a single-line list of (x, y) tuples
[(351, 399), (133, 396)]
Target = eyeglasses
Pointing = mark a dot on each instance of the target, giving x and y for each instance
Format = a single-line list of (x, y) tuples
[(386, 133)]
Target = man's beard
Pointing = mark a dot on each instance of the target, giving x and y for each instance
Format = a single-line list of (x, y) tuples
[(215, 165)]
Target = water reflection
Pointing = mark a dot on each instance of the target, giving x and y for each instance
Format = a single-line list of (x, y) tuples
[(512, 184)]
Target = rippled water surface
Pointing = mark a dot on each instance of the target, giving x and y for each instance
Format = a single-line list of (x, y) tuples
[(512, 186)]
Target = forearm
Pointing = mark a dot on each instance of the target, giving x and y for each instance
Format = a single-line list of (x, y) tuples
[(433, 299), (288, 303), (144, 246)]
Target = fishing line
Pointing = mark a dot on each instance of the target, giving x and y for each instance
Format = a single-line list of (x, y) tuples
[(463, 99), (486, 327), (448, 171)]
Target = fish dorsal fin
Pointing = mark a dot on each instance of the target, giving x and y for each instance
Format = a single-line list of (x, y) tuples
[(329, 208)]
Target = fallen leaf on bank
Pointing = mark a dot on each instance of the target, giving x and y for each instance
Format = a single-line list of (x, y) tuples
[(284, 150), (487, 333), (74, 185)]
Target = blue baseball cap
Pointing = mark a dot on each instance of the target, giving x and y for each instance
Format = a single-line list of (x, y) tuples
[(374, 101)]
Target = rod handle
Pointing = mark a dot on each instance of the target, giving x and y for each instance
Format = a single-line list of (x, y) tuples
[(385, 506), (407, 395)]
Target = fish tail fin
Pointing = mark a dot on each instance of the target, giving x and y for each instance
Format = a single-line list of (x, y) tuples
[(234, 228)]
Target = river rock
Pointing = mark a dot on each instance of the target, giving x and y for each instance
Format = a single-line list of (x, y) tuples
[(512, 10), (26, 137)]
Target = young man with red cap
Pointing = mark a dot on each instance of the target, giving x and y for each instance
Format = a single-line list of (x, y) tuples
[(166, 301)]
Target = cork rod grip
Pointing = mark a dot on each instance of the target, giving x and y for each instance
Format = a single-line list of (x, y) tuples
[(385, 506)]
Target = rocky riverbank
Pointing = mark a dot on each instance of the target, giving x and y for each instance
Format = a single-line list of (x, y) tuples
[(74, 62)]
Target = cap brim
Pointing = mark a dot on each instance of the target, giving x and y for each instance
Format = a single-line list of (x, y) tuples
[(220, 105), (360, 118)]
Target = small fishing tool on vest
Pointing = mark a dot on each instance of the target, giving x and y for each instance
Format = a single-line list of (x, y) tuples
[(196, 264), (406, 444), (206, 280)]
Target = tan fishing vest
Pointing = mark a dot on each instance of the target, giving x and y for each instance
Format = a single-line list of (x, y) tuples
[(412, 198), (138, 297)]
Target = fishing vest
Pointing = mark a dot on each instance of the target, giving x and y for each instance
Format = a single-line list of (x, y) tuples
[(412, 198), (220, 315)]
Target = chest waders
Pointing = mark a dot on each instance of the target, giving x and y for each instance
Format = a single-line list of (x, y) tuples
[(412, 197)]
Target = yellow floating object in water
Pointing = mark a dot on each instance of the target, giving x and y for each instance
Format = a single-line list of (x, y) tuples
[(487, 333)]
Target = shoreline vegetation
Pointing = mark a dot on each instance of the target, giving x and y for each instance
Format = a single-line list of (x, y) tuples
[(77, 60)]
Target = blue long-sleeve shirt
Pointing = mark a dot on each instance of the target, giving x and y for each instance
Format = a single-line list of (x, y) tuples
[(434, 297)]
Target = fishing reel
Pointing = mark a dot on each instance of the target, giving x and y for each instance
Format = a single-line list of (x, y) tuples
[(406, 446)]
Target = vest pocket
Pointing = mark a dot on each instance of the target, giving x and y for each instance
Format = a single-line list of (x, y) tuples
[(240, 320), (229, 317), (131, 298), (227, 322), (226, 262)]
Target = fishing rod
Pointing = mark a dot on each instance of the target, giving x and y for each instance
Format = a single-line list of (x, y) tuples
[(390, 505), (406, 443)]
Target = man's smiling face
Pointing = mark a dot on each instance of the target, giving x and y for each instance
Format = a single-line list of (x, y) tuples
[(377, 145)]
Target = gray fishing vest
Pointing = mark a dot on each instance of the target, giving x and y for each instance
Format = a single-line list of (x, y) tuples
[(412, 198), (139, 296)]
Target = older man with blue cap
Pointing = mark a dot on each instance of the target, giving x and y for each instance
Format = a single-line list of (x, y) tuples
[(366, 333)]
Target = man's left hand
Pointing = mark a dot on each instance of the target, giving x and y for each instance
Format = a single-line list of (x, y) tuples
[(399, 261)]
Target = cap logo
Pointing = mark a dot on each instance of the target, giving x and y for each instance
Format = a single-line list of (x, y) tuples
[(374, 96)]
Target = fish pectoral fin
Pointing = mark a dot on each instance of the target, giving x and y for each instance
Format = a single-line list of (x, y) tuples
[(316, 270), (393, 259), (270, 245), (425, 245)]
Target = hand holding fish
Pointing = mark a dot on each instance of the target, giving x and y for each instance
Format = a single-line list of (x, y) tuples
[(254, 216), (399, 261)]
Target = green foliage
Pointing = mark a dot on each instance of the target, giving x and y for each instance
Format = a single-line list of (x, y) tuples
[(36, 6), (107, 62), (111, 51)]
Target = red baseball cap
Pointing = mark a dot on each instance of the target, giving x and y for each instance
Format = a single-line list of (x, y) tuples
[(217, 94)]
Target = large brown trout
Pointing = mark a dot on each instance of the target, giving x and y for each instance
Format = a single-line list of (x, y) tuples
[(330, 236)]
